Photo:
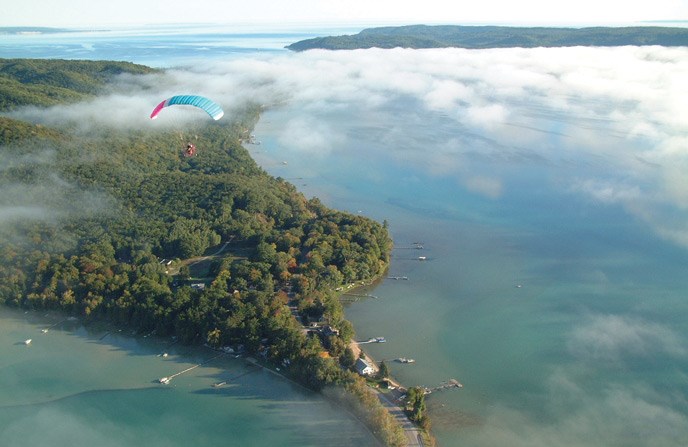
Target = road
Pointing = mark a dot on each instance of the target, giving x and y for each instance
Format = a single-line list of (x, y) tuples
[(412, 432), (203, 258)]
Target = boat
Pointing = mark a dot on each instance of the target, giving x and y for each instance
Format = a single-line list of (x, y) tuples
[(164, 380), (45, 331), (27, 341), (380, 339), (405, 360), (422, 258), (219, 384)]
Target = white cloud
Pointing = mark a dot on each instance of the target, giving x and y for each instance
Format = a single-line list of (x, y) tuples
[(307, 134), (487, 116), (617, 112), (578, 416), (488, 187), (607, 191), (17, 213), (614, 338), (446, 95)]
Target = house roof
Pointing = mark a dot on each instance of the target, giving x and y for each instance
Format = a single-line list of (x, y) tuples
[(361, 365)]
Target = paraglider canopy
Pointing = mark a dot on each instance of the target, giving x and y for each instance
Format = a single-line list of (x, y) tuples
[(211, 108)]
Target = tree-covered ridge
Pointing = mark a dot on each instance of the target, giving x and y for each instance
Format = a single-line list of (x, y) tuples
[(442, 36), (115, 225), (54, 81), (33, 30)]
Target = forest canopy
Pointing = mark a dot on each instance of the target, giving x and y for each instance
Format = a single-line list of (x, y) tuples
[(443, 36), (121, 226)]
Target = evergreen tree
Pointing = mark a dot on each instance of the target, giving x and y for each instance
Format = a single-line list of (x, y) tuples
[(383, 372)]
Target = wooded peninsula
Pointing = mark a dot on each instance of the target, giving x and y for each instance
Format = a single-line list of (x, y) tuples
[(118, 225), (480, 37)]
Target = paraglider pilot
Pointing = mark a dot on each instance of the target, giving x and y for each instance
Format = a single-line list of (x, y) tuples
[(190, 150)]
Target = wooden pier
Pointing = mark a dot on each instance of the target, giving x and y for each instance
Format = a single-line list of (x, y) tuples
[(45, 330), (372, 340), (360, 295), (167, 379), (413, 246), (449, 384)]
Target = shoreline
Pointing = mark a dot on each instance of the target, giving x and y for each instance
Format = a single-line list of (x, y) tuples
[(98, 330), (391, 400), (415, 434)]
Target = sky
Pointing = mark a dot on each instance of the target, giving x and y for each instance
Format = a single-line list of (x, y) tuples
[(85, 13)]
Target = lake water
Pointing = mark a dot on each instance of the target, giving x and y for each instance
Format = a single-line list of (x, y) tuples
[(547, 189), (75, 387)]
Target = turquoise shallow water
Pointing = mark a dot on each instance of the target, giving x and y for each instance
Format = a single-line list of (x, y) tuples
[(557, 170), (563, 318), (74, 387)]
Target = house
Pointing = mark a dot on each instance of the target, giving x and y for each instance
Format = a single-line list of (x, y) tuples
[(364, 368), (329, 331)]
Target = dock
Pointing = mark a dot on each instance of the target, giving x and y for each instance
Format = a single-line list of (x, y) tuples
[(360, 295), (449, 384), (45, 330), (412, 247), (167, 379), (372, 340)]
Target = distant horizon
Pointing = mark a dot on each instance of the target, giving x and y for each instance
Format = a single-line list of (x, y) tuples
[(341, 24), (89, 14)]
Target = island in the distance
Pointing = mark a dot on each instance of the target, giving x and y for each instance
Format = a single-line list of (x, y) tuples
[(477, 37)]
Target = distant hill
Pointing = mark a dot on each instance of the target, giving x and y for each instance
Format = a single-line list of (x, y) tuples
[(49, 82), (32, 30), (442, 36)]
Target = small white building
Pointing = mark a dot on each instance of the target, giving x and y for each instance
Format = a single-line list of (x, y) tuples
[(364, 368)]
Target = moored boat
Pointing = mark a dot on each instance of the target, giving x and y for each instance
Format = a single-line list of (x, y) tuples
[(405, 360)]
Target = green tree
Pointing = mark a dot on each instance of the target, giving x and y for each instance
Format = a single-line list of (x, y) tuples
[(347, 359), (383, 371)]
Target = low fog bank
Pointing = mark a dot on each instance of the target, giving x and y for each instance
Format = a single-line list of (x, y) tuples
[(620, 110)]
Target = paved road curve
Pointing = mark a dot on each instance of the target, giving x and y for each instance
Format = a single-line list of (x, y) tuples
[(412, 432)]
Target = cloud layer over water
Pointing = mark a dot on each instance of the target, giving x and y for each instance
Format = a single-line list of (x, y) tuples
[(619, 112)]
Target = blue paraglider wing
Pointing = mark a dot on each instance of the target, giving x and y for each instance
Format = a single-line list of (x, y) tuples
[(211, 108)]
